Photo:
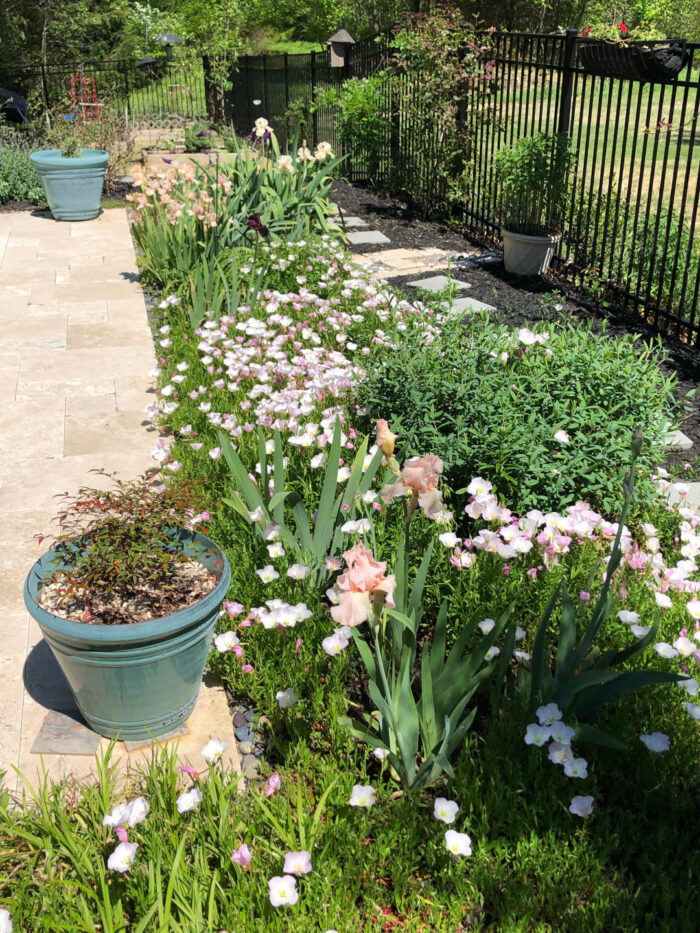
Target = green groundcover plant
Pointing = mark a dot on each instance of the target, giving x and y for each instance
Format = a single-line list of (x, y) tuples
[(546, 416), (18, 180)]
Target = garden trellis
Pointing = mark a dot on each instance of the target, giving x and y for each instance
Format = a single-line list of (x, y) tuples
[(633, 217)]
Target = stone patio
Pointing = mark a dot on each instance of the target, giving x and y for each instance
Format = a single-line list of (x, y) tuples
[(75, 352)]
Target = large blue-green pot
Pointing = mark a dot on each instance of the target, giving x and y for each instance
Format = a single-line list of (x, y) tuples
[(141, 679), (73, 187)]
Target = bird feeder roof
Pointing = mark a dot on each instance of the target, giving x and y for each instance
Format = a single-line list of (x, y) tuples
[(342, 36)]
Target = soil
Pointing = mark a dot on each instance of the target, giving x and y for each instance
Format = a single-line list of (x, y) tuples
[(520, 301), (189, 582)]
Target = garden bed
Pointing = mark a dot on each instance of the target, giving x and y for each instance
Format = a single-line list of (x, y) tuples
[(520, 302)]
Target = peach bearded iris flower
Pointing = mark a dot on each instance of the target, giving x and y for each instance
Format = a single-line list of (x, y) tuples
[(419, 479), (385, 438), (363, 588)]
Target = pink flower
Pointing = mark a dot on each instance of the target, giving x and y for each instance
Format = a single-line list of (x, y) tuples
[(419, 478), (272, 785), (188, 769), (121, 834), (247, 668), (233, 609), (362, 586), (241, 856), (584, 596)]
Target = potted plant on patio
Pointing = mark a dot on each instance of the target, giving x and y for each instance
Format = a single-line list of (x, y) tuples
[(127, 599), (533, 178), (611, 51), (72, 178)]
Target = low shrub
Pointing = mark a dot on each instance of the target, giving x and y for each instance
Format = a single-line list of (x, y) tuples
[(545, 417), (18, 180)]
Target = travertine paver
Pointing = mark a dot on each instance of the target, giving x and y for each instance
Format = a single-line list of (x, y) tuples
[(75, 352), (390, 263), (677, 440), (354, 222)]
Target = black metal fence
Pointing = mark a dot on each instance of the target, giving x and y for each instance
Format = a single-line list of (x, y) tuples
[(632, 228), (149, 91)]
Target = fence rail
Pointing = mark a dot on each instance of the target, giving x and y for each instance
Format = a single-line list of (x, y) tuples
[(633, 216), (149, 91)]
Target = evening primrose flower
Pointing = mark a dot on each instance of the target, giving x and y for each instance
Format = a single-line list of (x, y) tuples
[(123, 857), (657, 742), (283, 890), (362, 796), (227, 641), (487, 625), (665, 650), (559, 753), (286, 698), (267, 574), (538, 735), (690, 685), (562, 437), (663, 600), (576, 768), (297, 863), (272, 785), (693, 608), (548, 714), (380, 753), (5, 921), (189, 800), (214, 749), (241, 856), (445, 810), (334, 644), (581, 806), (562, 733), (684, 646), (458, 843), (297, 571), (692, 709)]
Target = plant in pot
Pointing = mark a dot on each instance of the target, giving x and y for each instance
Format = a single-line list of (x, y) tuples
[(72, 177), (534, 180), (613, 50), (127, 599)]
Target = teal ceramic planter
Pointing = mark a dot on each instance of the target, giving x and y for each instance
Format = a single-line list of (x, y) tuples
[(138, 680), (73, 187)]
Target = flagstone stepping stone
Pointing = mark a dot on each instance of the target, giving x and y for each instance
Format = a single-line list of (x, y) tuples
[(354, 222), (367, 238), (438, 283), (677, 440), (462, 306), (65, 733)]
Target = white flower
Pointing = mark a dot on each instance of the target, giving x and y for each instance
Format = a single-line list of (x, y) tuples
[(665, 650), (639, 631), (562, 733), (445, 810), (548, 714), (663, 601), (690, 685), (492, 653), (657, 742), (487, 625), (297, 571), (334, 644), (138, 811), (215, 453), (286, 698), (123, 857), (537, 735), (226, 642), (449, 539), (119, 815), (562, 437), (458, 843), (5, 921), (381, 753), (581, 806), (256, 515), (693, 608), (275, 550), (692, 709), (283, 890), (287, 165), (189, 800), (297, 863), (214, 749), (684, 646), (267, 574), (628, 617), (576, 768), (559, 753), (362, 796)]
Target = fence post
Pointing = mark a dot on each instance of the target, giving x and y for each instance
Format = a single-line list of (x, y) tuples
[(266, 107), (314, 118), (567, 81)]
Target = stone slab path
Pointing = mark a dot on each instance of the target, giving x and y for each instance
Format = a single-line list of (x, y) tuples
[(75, 352)]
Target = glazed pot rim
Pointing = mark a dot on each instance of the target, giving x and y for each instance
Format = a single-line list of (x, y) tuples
[(131, 632)]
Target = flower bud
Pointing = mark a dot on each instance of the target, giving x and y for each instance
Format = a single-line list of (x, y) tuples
[(385, 439), (637, 441)]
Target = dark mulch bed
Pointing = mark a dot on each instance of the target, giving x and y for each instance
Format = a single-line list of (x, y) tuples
[(519, 301)]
